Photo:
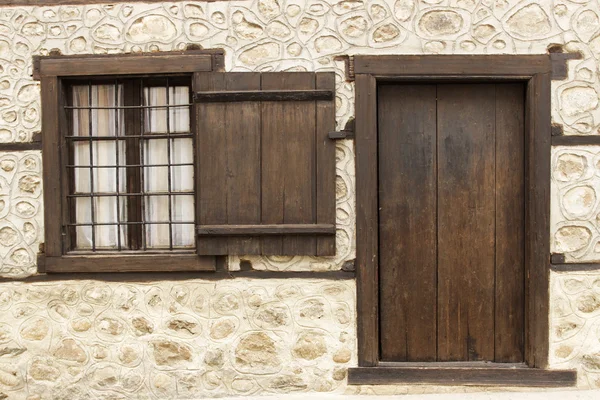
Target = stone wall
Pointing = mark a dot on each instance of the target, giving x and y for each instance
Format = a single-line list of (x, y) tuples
[(85, 339)]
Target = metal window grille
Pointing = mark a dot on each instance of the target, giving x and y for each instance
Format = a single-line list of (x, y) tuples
[(122, 206)]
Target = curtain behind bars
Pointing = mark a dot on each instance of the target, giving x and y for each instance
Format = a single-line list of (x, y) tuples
[(110, 122)]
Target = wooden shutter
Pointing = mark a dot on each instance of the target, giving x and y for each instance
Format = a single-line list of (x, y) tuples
[(266, 167)]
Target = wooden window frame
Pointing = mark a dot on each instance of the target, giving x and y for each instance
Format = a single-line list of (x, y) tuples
[(536, 72), (51, 71)]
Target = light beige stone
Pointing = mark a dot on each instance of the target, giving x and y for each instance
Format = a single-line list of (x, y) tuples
[(35, 329), (69, 350), (310, 345), (167, 352), (257, 350)]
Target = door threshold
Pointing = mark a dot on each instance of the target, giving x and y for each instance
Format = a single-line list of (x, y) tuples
[(451, 364), (461, 374)]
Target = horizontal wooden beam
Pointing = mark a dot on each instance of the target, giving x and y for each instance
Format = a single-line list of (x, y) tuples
[(454, 65), (560, 67), (574, 267), (576, 140), (40, 3), (123, 64), (265, 230), (23, 146), (462, 376), (182, 276), (127, 263), (263, 95)]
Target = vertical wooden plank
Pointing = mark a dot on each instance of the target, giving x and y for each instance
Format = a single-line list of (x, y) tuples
[(510, 223), (366, 220), (407, 222), (288, 162), (51, 150), (537, 219), (466, 222), (325, 169), (211, 176), (242, 138), (133, 127)]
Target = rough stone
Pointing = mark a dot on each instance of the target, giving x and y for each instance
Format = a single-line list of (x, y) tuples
[(439, 23), (69, 350), (142, 326), (588, 303), (214, 358), (260, 53), (41, 370), (569, 167), (572, 238), (577, 100), (257, 350), (342, 356), (222, 329), (151, 27), (385, 33), (529, 22), (354, 26), (579, 201), (310, 345), (403, 9), (35, 329), (167, 352)]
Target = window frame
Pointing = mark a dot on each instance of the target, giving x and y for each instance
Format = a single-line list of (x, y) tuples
[(53, 72)]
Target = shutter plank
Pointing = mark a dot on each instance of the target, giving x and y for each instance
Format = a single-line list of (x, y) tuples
[(325, 153), (243, 162), (297, 158), (211, 206)]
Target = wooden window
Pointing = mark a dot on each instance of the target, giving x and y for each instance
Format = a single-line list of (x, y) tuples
[(157, 162)]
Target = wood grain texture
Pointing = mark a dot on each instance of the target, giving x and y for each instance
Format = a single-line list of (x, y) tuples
[(572, 140), (266, 230), (263, 95), (289, 162), (537, 219), (241, 147), (51, 160), (211, 156), (325, 169), (509, 307), (262, 164), (128, 263), (527, 377), (74, 2), (124, 64), (407, 222), (460, 65), (466, 222), (367, 251)]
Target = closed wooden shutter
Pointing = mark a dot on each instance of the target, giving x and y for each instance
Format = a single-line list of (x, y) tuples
[(266, 167)]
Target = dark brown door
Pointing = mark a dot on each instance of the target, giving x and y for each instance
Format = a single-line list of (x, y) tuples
[(451, 222)]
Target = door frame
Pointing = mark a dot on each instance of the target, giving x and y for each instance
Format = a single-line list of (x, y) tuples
[(533, 70)]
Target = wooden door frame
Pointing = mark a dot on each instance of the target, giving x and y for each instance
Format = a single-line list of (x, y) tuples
[(533, 70)]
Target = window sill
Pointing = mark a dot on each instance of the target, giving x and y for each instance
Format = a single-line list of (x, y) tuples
[(484, 374), (126, 263)]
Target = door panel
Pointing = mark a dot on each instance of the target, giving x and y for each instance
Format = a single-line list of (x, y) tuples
[(510, 223), (408, 208), (451, 222), (466, 222)]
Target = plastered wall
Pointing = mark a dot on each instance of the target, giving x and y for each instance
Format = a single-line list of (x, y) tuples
[(201, 338)]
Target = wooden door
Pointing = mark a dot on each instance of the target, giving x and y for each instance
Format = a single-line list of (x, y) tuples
[(451, 222)]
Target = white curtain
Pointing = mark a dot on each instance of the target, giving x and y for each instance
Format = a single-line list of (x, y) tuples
[(110, 122), (156, 179), (104, 122)]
